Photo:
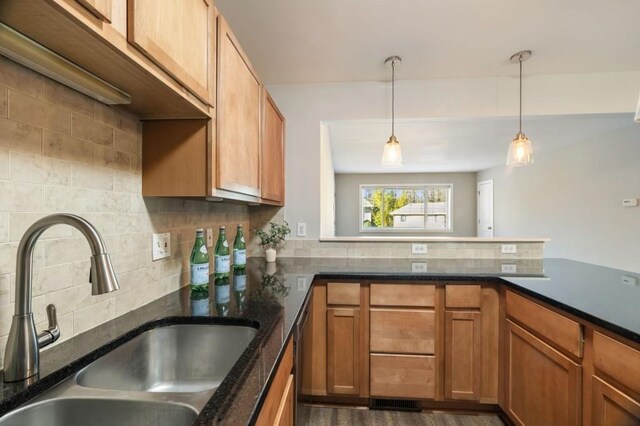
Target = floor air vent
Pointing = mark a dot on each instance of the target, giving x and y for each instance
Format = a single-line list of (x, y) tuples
[(394, 404)]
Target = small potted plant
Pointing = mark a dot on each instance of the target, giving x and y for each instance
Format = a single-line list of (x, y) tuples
[(270, 240)]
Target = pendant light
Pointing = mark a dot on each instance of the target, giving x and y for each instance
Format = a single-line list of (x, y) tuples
[(520, 149), (392, 155)]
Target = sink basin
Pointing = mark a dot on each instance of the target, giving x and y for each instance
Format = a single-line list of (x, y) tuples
[(100, 412), (173, 359)]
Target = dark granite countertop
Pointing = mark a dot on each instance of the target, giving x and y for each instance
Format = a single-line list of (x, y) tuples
[(274, 297)]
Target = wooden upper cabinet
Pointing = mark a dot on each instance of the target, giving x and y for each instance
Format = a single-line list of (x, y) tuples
[(100, 8), (272, 169), (238, 113), (178, 37)]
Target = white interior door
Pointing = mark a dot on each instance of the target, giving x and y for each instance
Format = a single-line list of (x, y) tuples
[(485, 208)]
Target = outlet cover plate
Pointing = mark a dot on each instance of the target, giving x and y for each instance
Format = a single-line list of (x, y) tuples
[(302, 229), (509, 249), (508, 268), (420, 248), (161, 244), (418, 267)]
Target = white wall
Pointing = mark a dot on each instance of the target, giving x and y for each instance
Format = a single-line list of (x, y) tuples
[(348, 201), (327, 186), (306, 106), (573, 195)]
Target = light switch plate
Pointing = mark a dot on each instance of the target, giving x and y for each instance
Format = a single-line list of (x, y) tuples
[(629, 280), (509, 249), (161, 246), (302, 229), (418, 249), (302, 283), (630, 202)]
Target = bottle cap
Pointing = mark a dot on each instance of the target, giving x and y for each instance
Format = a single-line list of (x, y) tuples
[(222, 228), (199, 230), (239, 225)]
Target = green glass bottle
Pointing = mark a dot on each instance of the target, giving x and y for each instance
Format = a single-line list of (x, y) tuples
[(240, 288), (239, 250), (221, 255), (199, 264), (223, 296)]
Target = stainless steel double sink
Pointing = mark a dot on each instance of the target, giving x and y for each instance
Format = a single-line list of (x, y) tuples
[(164, 376)]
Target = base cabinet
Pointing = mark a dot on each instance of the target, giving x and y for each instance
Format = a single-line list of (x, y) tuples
[(279, 404), (343, 351), (611, 407), (463, 355), (543, 387)]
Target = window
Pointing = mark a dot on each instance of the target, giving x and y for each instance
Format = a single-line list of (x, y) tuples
[(406, 208)]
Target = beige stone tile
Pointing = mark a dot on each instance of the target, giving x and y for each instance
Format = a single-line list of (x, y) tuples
[(136, 164), (20, 136), (126, 142), (17, 77), (4, 227), (116, 118), (66, 300), (93, 315), (6, 313), (127, 182), (32, 169), (4, 163), (86, 176), (107, 201), (68, 199), (85, 128), (30, 110), (54, 278), (5, 291), (19, 222), (4, 104), (66, 97), (65, 147), (66, 250), (20, 197), (105, 157)]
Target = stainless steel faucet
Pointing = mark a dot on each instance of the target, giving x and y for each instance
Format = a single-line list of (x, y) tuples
[(21, 357)]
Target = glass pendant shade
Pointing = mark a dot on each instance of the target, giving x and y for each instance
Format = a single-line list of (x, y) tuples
[(392, 154), (520, 151)]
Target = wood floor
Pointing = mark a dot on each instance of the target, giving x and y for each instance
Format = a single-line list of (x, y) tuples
[(323, 416)]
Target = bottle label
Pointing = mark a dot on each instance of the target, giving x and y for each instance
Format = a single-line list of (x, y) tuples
[(222, 264), (239, 257), (223, 293), (199, 273), (239, 282), (200, 308), (225, 243)]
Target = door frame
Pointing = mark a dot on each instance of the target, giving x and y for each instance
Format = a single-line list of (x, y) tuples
[(492, 206)]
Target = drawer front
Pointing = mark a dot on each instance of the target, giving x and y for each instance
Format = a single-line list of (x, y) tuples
[(402, 331), (463, 296), (402, 376), (343, 294), (418, 295), (617, 360), (557, 329)]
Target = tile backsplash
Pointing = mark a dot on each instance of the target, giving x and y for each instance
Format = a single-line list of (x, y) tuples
[(61, 151)]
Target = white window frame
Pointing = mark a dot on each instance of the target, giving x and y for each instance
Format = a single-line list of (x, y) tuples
[(425, 187)]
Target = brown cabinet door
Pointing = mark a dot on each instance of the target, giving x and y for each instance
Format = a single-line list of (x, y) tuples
[(611, 407), (463, 355), (272, 168), (177, 36), (100, 8), (343, 351), (238, 114), (543, 387)]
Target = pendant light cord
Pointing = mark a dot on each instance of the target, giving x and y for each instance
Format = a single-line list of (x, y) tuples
[(393, 96), (520, 119)]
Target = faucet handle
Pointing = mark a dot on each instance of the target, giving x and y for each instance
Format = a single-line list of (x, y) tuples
[(52, 333)]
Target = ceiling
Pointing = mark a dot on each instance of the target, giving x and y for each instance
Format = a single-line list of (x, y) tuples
[(459, 145), (294, 41)]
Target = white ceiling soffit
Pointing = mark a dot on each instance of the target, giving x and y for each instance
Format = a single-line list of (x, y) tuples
[(294, 41), (460, 145)]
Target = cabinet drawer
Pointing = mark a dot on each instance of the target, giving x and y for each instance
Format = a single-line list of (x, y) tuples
[(421, 295), (557, 329), (617, 360), (343, 294), (463, 296), (402, 331), (402, 376)]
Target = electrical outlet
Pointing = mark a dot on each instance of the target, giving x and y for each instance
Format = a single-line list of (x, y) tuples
[(161, 246), (302, 283), (302, 229), (509, 249), (418, 267), (629, 280), (418, 249), (209, 237), (509, 268), (630, 202)]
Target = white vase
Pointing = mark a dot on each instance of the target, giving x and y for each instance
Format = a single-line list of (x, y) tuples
[(270, 254)]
